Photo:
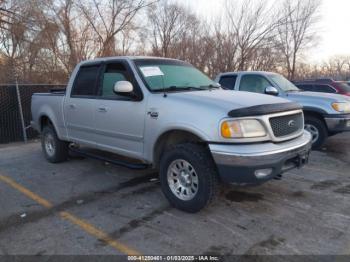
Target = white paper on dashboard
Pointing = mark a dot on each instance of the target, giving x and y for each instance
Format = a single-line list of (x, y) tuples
[(148, 71)]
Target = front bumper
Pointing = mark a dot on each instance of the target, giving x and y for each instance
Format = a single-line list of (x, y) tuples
[(338, 123), (243, 164)]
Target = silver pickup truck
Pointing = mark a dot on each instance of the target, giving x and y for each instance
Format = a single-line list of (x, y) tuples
[(325, 114), (167, 115)]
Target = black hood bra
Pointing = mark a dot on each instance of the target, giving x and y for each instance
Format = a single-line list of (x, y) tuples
[(264, 109)]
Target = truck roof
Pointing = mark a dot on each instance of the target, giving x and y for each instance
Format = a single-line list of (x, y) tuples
[(104, 59), (247, 72)]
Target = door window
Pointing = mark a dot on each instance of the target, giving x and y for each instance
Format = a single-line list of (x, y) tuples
[(228, 82), (86, 81), (113, 73), (254, 83)]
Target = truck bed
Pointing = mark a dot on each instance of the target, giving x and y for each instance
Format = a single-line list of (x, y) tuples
[(51, 106)]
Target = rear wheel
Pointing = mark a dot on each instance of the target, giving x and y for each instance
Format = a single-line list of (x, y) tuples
[(318, 130), (55, 150), (188, 177)]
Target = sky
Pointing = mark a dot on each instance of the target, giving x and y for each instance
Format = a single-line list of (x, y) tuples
[(334, 25)]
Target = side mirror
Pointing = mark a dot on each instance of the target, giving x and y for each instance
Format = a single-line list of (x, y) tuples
[(123, 88), (270, 90), (217, 85)]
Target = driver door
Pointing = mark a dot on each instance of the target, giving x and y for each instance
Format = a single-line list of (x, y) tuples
[(119, 120), (254, 83)]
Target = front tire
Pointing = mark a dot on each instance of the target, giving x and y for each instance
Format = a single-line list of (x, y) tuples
[(55, 150), (318, 130), (188, 177)]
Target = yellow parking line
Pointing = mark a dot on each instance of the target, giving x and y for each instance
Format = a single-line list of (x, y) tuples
[(99, 234), (26, 192), (88, 228)]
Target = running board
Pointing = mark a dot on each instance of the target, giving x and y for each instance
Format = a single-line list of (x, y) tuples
[(99, 155)]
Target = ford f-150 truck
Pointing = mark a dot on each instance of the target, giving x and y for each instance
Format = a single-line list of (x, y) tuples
[(325, 114), (167, 115)]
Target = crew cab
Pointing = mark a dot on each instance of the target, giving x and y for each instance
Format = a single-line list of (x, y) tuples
[(325, 114), (167, 115)]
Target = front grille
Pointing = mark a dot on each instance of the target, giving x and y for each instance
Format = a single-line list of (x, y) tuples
[(286, 125)]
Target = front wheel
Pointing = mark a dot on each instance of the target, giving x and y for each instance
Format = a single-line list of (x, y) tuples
[(318, 130), (188, 177)]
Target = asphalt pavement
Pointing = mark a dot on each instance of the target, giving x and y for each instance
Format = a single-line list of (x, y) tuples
[(85, 206)]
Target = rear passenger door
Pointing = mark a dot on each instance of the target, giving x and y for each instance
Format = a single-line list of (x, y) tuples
[(79, 106), (119, 120)]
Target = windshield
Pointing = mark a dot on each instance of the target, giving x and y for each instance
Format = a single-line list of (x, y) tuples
[(344, 86), (284, 83), (161, 74)]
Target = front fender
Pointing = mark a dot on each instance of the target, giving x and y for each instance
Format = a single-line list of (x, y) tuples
[(151, 142)]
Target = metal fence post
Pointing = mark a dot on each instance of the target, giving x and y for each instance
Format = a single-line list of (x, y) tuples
[(21, 113)]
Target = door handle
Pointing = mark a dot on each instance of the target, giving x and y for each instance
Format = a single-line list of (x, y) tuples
[(72, 106), (102, 109)]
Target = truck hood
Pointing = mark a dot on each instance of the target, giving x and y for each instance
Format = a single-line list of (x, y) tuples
[(226, 99), (301, 96)]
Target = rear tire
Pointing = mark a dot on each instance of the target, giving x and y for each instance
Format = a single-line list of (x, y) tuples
[(318, 130), (188, 177), (55, 150)]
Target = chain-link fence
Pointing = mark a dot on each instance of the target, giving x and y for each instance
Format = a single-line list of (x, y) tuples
[(13, 102)]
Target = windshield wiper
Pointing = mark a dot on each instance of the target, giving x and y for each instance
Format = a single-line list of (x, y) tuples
[(179, 88), (292, 90), (211, 86)]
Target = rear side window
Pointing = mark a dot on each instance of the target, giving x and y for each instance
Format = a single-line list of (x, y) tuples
[(228, 82), (86, 81), (324, 89)]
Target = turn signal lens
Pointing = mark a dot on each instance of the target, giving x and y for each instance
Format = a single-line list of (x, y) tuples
[(231, 129), (342, 107), (245, 128)]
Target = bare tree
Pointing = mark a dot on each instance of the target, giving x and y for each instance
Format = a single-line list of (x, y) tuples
[(220, 48), (296, 30), (168, 23), (266, 59), (45, 39), (71, 38), (251, 23), (337, 67), (108, 18), (16, 33)]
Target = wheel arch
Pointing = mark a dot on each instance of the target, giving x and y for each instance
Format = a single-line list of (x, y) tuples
[(46, 120), (315, 113), (173, 137)]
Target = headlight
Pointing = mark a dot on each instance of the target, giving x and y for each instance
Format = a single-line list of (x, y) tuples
[(245, 128), (343, 107)]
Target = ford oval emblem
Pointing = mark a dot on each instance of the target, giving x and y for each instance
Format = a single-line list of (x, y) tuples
[(291, 123)]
